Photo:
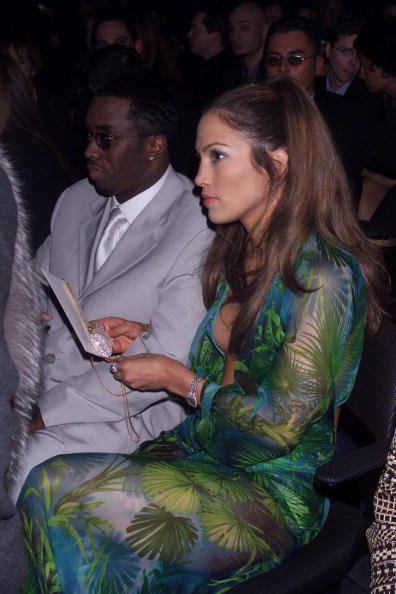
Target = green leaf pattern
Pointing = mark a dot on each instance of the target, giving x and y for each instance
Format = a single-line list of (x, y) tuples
[(227, 494)]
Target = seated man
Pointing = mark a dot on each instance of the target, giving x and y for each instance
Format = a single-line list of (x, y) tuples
[(129, 240), (247, 31), (293, 48), (216, 70), (343, 60), (377, 47)]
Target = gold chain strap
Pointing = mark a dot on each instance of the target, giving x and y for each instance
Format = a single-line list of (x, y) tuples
[(124, 395)]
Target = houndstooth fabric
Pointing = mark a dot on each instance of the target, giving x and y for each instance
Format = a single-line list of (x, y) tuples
[(382, 533)]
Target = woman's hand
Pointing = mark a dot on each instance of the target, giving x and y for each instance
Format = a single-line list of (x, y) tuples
[(123, 332), (153, 372)]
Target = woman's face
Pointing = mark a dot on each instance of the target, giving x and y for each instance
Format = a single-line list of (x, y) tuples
[(232, 188)]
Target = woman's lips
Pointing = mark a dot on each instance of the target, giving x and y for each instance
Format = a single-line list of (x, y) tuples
[(208, 200)]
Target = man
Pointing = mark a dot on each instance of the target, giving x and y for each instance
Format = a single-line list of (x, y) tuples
[(150, 275), (247, 32), (115, 28), (343, 59), (376, 44), (215, 70), (293, 49), (274, 11), (206, 35)]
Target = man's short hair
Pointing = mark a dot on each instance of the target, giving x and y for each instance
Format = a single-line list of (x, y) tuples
[(110, 63), (215, 20), (152, 107), (287, 25), (347, 24), (114, 15), (377, 42)]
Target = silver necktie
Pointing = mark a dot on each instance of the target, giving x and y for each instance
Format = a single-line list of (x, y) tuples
[(115, 228)]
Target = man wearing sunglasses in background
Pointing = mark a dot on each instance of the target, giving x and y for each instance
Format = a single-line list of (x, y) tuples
[(129, 240), (293, 48)]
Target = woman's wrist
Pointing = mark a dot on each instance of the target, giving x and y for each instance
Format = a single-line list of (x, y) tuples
[(183, 382), (195, 391)]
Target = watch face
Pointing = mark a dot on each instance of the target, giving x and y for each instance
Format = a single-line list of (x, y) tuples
[(192, 400)]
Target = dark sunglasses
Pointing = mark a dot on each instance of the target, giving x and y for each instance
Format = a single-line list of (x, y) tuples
[(104, 140), (291, 60)]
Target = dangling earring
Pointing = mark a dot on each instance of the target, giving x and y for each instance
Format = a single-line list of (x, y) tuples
[(151, 158)]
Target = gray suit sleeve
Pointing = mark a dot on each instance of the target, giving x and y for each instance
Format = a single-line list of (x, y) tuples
[(174, 322)]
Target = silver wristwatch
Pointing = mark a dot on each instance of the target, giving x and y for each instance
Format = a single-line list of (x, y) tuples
[(192, 392)]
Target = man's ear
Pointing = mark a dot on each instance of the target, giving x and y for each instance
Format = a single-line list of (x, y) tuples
[(319, 65), (138, 46), (281, 160), (264, 31), (156, 146), (216, 37), (328, 49)]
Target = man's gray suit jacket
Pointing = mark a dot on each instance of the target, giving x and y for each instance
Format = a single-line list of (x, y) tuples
[(152, 276)]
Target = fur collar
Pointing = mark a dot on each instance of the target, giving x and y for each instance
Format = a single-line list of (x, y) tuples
[(23, 328)]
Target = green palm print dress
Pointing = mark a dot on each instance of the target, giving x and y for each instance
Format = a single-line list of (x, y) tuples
[(228, 493)]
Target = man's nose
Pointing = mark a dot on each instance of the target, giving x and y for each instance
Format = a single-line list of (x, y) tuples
[(91, 149), (284, 67), (232, 35)]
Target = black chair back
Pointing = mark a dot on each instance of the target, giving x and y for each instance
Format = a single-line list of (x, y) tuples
[(373, 398)]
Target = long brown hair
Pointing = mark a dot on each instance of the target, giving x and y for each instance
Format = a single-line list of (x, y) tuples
[(314, 197), (19, 112)]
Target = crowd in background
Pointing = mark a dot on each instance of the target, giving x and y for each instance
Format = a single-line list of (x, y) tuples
[(199, 49)]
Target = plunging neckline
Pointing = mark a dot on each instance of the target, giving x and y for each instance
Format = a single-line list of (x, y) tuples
[(227, 377)]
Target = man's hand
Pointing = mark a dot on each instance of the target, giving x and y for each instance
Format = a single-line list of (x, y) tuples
[(123, 332)]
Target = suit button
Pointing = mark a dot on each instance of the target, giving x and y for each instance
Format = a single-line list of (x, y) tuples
[(50, 358)]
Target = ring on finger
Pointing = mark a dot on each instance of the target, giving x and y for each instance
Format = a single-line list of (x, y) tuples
[(114, 367)]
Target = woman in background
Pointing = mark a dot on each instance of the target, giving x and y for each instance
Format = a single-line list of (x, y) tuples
[(290, 283), (29, 148)]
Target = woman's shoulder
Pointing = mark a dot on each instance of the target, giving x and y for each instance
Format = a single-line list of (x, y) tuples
[(316, 251)]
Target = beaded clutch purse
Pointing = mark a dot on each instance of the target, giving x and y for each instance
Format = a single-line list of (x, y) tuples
[(101, 342)]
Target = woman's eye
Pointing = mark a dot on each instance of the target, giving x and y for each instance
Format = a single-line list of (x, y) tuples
[(217, 156)]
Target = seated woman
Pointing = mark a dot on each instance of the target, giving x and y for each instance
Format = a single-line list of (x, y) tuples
[(290, 282)]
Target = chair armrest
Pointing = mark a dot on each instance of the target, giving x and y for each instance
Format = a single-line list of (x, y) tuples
[(351, 465)]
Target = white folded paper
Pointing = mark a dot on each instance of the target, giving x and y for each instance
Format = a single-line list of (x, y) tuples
[(74, 313)]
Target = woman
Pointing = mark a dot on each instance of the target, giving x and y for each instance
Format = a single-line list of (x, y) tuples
[(33, 156), (228, 493)]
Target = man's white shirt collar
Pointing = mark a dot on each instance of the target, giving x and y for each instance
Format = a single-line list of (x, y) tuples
[(133, 207)]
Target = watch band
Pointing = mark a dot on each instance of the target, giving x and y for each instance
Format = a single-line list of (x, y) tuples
[(192, 392)]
